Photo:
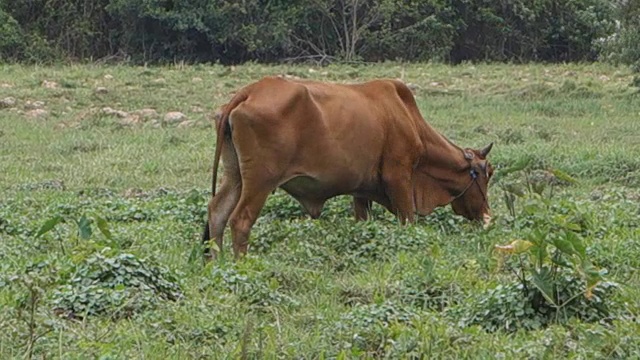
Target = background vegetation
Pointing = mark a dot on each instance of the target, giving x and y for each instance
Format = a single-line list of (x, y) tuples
[(104, 190), (319, 30)]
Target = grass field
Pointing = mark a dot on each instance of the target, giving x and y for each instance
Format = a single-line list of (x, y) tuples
[(123, 276)]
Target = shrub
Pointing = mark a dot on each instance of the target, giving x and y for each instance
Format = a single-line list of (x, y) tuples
[(525, 30), (11, 37), (623, 46)]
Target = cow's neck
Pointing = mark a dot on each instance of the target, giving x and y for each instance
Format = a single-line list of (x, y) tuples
[(443, 160), (440, 173), (440, 152)]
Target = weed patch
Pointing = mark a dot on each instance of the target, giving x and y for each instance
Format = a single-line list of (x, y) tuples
[(369, 329), (516, 306), (115, 286), (255, 291)]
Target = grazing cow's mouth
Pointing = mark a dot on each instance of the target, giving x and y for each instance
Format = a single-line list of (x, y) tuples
[(486, 220)]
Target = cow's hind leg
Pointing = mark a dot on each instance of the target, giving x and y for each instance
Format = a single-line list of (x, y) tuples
[(222, 204), (220, 208), (206, 236), (245, 215), (261, 165)]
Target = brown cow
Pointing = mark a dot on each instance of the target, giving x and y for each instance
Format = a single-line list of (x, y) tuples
[(320, 140)]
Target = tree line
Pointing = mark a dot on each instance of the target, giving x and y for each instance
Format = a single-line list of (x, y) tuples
[(236, 31)]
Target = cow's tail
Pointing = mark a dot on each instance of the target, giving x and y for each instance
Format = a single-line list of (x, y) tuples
[(221, 128)]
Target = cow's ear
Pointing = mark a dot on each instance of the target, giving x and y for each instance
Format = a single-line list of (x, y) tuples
[(484, 152), (468, 155), (428, 194)]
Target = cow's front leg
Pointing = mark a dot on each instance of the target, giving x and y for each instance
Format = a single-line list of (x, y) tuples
[(361, 208), (400, 192)]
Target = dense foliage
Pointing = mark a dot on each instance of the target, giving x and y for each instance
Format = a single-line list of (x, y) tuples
[(622, 46), (320, 30)]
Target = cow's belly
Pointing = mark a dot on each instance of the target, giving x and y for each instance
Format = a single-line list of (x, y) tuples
[(303, 186), (312, 192)]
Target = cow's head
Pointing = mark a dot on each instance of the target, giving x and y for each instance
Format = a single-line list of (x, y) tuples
[(473, 201)]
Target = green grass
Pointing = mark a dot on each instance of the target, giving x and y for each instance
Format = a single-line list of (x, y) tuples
[(310, 288)]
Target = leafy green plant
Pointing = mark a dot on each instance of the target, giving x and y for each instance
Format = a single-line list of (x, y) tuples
[(521, 305), (84, 224), (118, 286), (532, 185), (551, 230), (549, 260)]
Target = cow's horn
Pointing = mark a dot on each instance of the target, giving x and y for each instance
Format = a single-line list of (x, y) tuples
[(484, 152)]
